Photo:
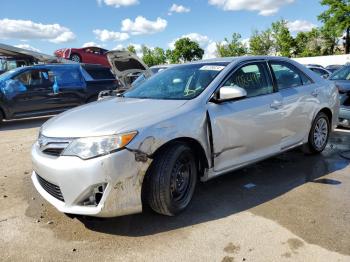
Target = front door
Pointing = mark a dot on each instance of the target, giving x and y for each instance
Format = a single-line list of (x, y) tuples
[(251, 128)]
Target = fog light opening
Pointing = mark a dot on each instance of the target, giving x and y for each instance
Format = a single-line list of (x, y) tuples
[(95, 195)]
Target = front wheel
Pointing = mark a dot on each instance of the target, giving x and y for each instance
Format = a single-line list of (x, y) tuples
[(319, 135), (172, 179), (76, 58)]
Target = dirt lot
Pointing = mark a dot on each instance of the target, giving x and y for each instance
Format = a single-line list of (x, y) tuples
[(289, 208)]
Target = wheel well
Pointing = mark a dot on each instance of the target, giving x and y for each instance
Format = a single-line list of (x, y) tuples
[(77, 55), (328, 113), (194, 145)]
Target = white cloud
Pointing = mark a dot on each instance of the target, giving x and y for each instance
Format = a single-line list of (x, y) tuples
[(202, 40), (300, 26), (88, 44), (105, 35), (26, 29), (27, 47), (118, 3), (142, 26), (210, 51), (179, 9), (264, 7)]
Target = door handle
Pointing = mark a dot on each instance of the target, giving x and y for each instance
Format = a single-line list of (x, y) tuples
[(315, 93), (276, 105)]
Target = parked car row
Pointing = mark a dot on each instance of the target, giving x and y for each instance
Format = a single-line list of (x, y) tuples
[(192, 121)]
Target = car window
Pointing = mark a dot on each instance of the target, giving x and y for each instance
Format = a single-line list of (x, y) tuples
[(67, 77), (342, 74), (98, 73), (253, 78), (288, 76), (36, 77)]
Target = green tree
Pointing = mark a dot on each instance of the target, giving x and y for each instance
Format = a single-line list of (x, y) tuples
[(261, 43), (131, 49), (185, 50), (154, 56), (233, 47), (283, 41), (309, 43), (337, 18)]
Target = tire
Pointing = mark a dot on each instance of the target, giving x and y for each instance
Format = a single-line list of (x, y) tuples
[(92, 99), (319, 135), (1, 117), (75, 58), (171, 180)]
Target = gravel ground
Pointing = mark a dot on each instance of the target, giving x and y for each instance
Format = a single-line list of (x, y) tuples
[(289, 208)]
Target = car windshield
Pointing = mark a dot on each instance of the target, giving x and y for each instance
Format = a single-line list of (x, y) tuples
[(8, 74), (182, 82), (342, 74)]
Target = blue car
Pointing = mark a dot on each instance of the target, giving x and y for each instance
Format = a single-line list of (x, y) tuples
[(50, 89)]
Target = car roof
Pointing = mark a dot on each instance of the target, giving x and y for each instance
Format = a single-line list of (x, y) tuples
[(239, 59), (72, 65)]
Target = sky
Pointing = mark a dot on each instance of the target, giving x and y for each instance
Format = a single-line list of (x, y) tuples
[(48, 25)]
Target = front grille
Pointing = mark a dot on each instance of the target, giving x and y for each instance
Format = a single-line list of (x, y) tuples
[(53, 146), (53, 151), (50, 188)]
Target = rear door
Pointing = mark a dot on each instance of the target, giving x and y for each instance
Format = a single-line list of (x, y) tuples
[(299, 95), (250, 128)]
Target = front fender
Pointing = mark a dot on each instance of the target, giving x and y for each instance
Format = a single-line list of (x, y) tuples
[(192, 125)]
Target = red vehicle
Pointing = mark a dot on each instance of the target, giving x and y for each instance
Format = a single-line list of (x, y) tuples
[(87, 55)]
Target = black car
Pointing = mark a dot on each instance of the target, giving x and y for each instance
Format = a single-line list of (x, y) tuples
[(324, 73), (342, 80), (333, 68), (49, 89)]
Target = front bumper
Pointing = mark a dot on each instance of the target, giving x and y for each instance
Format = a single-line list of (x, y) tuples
[(77, 178)]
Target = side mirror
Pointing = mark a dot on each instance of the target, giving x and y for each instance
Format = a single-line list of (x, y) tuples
[(227, 93)]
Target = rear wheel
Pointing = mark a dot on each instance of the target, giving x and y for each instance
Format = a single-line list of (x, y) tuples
[(75, 58), (1, 117), (172, 180), (319, 135)]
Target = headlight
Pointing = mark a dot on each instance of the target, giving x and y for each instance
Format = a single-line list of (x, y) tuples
[(91, 147)]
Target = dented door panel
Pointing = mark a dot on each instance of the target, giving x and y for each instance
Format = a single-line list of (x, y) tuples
[(245, 130)]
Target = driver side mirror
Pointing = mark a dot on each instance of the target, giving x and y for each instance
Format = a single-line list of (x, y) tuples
[(228, 93)]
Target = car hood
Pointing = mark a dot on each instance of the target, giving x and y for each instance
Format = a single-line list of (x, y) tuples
[(109, 116), (124, 63)]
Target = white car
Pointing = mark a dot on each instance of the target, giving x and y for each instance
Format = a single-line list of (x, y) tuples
[(189, 122)]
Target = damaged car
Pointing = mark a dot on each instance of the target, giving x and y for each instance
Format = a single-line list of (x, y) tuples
[(128, 68), (190, 122)]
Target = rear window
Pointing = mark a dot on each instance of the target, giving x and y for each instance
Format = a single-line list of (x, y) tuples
[(99, 73)]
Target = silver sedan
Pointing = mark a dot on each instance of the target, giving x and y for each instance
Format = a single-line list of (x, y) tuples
[(187, 123)]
